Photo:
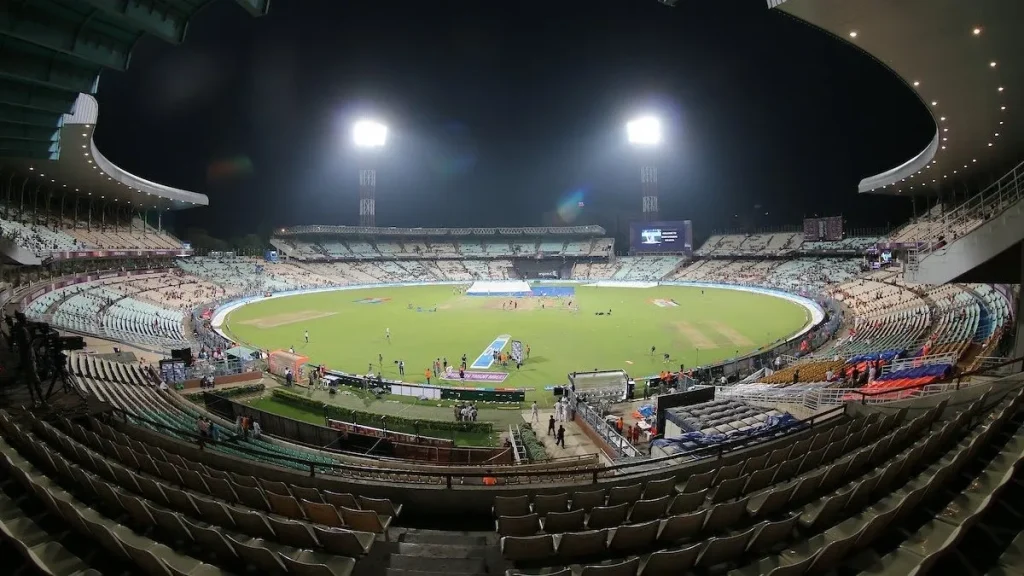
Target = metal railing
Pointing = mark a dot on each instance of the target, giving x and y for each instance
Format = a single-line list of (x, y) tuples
[(607, 432), (503, 475), (968, 215), (930, 360)]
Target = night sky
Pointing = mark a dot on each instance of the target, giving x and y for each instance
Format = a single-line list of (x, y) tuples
[(501, 113)]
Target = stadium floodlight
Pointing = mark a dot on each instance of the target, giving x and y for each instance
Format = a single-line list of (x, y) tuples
[(644, 131), (369, 134)]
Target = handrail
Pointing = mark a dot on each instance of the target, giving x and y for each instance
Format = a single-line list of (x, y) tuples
[(998, 196), (959, 379), (594, 472)]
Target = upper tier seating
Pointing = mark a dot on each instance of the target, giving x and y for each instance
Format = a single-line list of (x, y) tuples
[(751, 244), (855, 244), (138, 236), (37, 238)]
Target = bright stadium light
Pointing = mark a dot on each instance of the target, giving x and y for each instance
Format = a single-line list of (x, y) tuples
[(645, 131), (369, 134)]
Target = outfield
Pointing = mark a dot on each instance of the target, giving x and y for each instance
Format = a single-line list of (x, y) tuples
[(347, 329)]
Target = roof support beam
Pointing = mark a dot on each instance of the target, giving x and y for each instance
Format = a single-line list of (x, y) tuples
[(32, 154), (23, 132), (255, 7), (155, 18), (52, 72), (79, 35), (17, 115), (29, 145), (29, 96)]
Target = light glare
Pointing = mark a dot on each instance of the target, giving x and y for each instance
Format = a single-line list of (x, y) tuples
[(369, 134), (645, 131)]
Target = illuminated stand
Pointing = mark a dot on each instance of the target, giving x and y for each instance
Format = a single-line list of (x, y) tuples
[(369, 135), (645, 132)]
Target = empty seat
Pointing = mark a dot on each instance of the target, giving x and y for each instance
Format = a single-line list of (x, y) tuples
[(527, 548), (511, 506), (525, 525), (634, 537), (544, 504), (556, 522)]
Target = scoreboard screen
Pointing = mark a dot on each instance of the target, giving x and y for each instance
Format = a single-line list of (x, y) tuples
[(674, 237), (823, 229)]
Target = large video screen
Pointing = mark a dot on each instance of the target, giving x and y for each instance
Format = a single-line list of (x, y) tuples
[(823, 229), (661, 237)]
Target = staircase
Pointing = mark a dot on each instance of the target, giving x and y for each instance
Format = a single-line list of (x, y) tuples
[(435, 553)]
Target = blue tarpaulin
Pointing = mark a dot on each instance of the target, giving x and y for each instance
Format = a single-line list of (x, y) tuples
[(694, 440)]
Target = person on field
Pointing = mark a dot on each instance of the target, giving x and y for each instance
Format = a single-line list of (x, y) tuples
[(307, 336), (527, 351), (401, 368), (551, 426), (534, 412), (429, 374), (560, 438), (387, 334)]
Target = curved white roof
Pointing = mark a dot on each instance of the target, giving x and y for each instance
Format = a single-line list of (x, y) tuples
[(963, 60), (82, 169)]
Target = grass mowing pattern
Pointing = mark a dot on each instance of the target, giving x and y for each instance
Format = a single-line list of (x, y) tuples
[(347, 334)]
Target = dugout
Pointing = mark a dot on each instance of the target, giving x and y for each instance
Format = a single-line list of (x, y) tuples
[(280, 360)]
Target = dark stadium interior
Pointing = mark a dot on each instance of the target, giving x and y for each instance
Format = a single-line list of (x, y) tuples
[(188, 189)]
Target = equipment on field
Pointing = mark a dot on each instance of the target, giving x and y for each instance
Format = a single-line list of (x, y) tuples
[(280, 360), (517, 351)]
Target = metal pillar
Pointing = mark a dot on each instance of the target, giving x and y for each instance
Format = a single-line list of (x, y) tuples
[(649, 191), (367, 197)]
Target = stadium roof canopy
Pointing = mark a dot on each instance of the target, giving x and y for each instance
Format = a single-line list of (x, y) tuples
[(51, 51), (83, 171), (962, 58)]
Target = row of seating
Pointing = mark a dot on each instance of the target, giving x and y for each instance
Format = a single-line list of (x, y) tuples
[(818, 535), (191, 519), (354, 249), (716, 499)]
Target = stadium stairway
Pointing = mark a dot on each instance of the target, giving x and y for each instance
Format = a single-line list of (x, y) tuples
[(441, 553)]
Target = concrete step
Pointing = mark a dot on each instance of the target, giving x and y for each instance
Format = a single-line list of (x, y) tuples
[(444, 565), (441, 550), (400, 572), (442, 538)]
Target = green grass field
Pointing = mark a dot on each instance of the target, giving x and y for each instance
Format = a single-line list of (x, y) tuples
[(348, 335)]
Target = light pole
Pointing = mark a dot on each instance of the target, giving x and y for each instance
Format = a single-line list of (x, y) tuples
[(369, 135), (644, 133)]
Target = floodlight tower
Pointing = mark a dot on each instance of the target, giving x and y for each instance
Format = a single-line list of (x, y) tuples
[(644, 133), (368, 135)]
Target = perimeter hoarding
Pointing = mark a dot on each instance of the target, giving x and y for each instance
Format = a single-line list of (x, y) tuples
[(674, 237)]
